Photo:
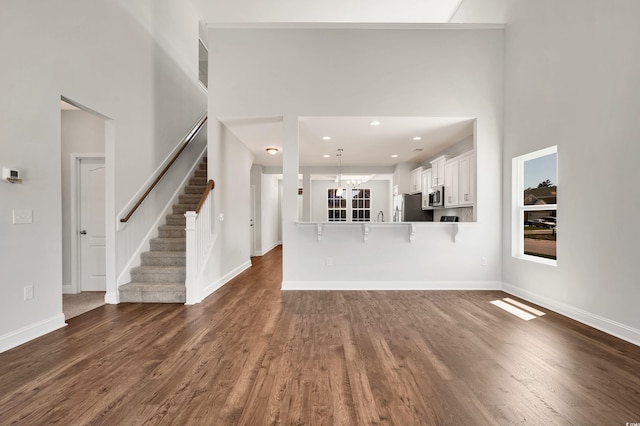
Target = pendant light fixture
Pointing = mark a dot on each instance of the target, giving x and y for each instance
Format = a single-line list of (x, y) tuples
[(340, 190)]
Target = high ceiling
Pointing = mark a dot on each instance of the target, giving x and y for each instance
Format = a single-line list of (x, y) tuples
[(362, 143)]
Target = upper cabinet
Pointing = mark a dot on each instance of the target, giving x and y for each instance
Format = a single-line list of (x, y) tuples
[(416, 180), (437, 171), (451, 182), (467, 179), (460, 181)]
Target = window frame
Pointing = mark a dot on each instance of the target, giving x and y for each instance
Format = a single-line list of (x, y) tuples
[(348, 205), (519, 208)]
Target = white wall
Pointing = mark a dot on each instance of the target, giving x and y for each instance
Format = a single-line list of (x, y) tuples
[(229, 165), (270, 212), (113, 60), (572, 80), (256, 183), (291, 73), (267, 215), (81, 132)]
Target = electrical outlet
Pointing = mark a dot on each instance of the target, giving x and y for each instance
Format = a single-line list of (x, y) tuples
[(22, 216), (28, 292), (329, 261), (483, 261)]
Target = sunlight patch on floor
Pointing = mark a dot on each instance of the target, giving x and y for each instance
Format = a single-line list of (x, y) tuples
[(513, 307)]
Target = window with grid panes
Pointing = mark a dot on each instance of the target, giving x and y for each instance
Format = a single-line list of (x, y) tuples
[(336, 206), (361, 205)]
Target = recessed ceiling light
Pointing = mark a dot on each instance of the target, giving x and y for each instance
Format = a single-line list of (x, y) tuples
[(417, 138), (394, 156), (326, 156), (326, 138), (272, 151), (374, 123)]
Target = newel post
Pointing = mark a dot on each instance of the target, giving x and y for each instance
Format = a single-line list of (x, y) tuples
[(191, 261)]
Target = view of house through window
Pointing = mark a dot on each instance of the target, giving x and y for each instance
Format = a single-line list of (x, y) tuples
[(535, 213)]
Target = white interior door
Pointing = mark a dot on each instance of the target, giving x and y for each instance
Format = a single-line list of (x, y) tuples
[(92, 225)]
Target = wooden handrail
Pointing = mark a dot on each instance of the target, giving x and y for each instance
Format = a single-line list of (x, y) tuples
[(186, 141), (210, 185)]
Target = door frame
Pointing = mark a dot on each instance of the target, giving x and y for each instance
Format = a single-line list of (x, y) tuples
[(76, 159), (252, 220)]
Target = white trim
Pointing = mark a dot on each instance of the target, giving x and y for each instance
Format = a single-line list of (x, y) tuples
[(353, 26), (208, 290), (518, 208), (112, 297), (110, 212), (30, 332), (74, 186), (622, 331), (263, 252), (390, 285)]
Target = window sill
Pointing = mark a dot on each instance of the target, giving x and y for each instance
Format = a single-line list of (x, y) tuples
[(536, 259)]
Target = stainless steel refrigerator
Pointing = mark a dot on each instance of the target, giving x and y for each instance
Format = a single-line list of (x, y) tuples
[(408, 208)]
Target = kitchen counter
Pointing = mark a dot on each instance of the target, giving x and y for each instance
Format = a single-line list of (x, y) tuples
[(368, 227)]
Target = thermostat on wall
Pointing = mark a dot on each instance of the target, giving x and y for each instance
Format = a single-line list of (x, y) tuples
[(11, 175)]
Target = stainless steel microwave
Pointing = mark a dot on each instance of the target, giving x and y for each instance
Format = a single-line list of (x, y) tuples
[(436, 196)]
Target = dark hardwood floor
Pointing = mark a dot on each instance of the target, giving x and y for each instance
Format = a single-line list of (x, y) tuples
[(251, 354)]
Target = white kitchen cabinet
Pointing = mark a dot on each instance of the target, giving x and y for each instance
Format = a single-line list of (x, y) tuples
[(426, 189), (437, 171), (416, 180), (451, 183), (467, 179)]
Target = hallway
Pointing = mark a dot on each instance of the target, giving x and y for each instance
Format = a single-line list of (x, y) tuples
[(251, 354)]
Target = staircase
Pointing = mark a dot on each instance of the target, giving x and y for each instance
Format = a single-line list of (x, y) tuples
[(160, 277)]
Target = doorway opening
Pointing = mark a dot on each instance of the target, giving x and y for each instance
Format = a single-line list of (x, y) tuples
[(83, 136)]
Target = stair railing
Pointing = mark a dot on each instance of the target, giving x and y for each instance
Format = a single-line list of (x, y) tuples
[(185, 142), (200, 238)]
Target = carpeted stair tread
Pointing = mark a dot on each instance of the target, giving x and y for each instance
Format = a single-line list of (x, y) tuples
[(189, 199), (195, 189), (164, 258), (176, 219), (158, 274), (171, 231), (168, 244), (145, 292), (183, 208)]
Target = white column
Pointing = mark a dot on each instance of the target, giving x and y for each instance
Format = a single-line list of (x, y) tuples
[(192, 259), (289, 189)]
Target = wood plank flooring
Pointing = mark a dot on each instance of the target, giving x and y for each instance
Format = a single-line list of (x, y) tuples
[(253, 355)]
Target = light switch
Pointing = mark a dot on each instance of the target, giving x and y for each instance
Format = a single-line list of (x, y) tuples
[(22, 216)]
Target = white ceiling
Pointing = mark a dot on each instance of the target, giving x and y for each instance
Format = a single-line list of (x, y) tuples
[(351, 11), (363, 144)]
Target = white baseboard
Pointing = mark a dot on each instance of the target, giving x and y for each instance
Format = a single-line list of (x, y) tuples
[(209, 289), (391, 285), (68, 289), (112, 298), (263, 252), (30, 332), (606, 325)]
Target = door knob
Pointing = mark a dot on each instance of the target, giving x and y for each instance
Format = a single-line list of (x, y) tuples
[(83, 232)]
